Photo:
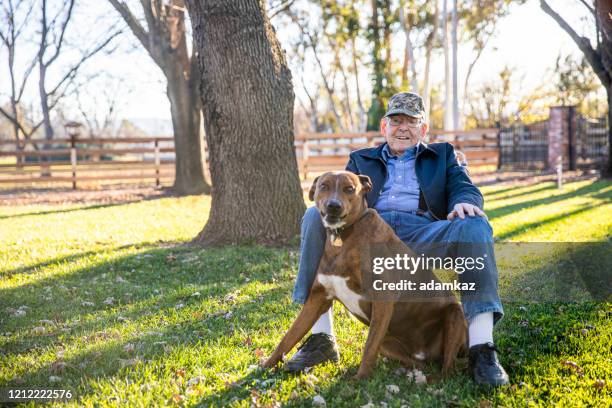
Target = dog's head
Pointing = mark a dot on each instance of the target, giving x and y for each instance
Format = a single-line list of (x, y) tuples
[(340, 197)]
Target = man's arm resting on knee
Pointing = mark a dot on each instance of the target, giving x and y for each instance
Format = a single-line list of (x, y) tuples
[(462, 194)]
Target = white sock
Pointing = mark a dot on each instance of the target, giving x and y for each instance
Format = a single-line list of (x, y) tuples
[(324, 324), (480, 329)]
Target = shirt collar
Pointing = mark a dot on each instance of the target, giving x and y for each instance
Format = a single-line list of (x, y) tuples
[(386, 153)]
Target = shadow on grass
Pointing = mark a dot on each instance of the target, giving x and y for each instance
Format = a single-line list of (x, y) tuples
[(88, 207), (497, 196), (223, 273), (588, 189), (63, 259)]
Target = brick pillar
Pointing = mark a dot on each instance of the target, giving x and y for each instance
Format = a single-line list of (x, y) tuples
[(561, 135)]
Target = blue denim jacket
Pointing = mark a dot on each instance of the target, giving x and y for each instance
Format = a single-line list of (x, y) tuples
[(443, 182)]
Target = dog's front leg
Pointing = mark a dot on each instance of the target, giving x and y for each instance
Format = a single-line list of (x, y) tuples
[(316, 304), (379, 323)]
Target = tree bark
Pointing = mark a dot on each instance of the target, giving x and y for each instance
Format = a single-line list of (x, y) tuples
[(247, 100), (185, 110)]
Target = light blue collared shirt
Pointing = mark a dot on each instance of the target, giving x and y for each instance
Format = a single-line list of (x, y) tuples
[(401, 189)]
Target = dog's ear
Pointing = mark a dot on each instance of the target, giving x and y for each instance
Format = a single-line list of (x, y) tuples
[(366, 183), (311, 193)]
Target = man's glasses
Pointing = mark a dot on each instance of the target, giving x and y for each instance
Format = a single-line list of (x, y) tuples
[(411, 123)]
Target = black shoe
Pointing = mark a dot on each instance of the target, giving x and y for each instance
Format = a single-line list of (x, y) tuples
[(317, 349), (485, 367)]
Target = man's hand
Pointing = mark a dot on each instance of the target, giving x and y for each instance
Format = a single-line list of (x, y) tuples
[(462, 208)]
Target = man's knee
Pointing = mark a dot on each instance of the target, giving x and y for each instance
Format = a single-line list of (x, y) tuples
[(311, 215), (473, 229), (311, 220)]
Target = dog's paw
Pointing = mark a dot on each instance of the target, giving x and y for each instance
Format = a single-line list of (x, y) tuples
[(269, 362)]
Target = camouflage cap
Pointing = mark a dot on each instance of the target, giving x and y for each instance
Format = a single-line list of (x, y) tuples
[(406, 103)]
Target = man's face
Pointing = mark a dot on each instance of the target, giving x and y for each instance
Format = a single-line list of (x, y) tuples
[(402, 132)]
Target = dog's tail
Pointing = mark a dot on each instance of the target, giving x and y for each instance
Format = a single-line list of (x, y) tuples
[(455, 336)]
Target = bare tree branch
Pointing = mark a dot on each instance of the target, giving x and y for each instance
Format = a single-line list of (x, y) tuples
[(588, 6), (137, 29), (280, 8), (64, 25), (582, 42), (73, 71)]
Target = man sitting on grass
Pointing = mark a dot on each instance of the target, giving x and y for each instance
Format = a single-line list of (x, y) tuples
[(427, 198)]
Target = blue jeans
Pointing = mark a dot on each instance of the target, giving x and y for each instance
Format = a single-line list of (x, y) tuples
[(457, 238)]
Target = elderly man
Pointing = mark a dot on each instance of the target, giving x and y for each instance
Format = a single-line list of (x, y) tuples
[(430, 202)]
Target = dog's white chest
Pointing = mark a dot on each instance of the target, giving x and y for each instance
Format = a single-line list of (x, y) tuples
[(336, 286)]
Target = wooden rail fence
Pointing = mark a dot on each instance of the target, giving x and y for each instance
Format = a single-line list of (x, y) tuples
[(82, 161)]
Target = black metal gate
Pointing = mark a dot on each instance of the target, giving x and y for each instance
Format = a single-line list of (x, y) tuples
[(524, 147), (591, 142)]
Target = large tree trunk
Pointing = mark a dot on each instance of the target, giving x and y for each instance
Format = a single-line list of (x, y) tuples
[(248, 115), (185, 110)]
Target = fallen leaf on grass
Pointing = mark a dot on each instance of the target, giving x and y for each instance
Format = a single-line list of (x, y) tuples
[(599, 384), (39, 330), (129, 348), (177, 398), (259, 353), (393, 389), (484, 404), (310, 380), (129, 362), (417, 376), (318, 401), (16, 312), (573, 366), (195, 380), (180, 372), (171, 258)]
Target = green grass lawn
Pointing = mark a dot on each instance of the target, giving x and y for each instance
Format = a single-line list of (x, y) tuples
[(105, 300)]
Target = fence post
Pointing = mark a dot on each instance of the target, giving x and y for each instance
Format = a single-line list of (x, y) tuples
[(559, 172), (157, 161), (73, 160), (499, 148)]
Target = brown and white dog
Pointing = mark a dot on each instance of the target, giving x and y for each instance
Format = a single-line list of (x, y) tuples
[(412, 332)]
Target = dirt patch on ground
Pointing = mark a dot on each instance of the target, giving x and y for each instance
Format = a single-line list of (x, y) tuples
[(108, 195)]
